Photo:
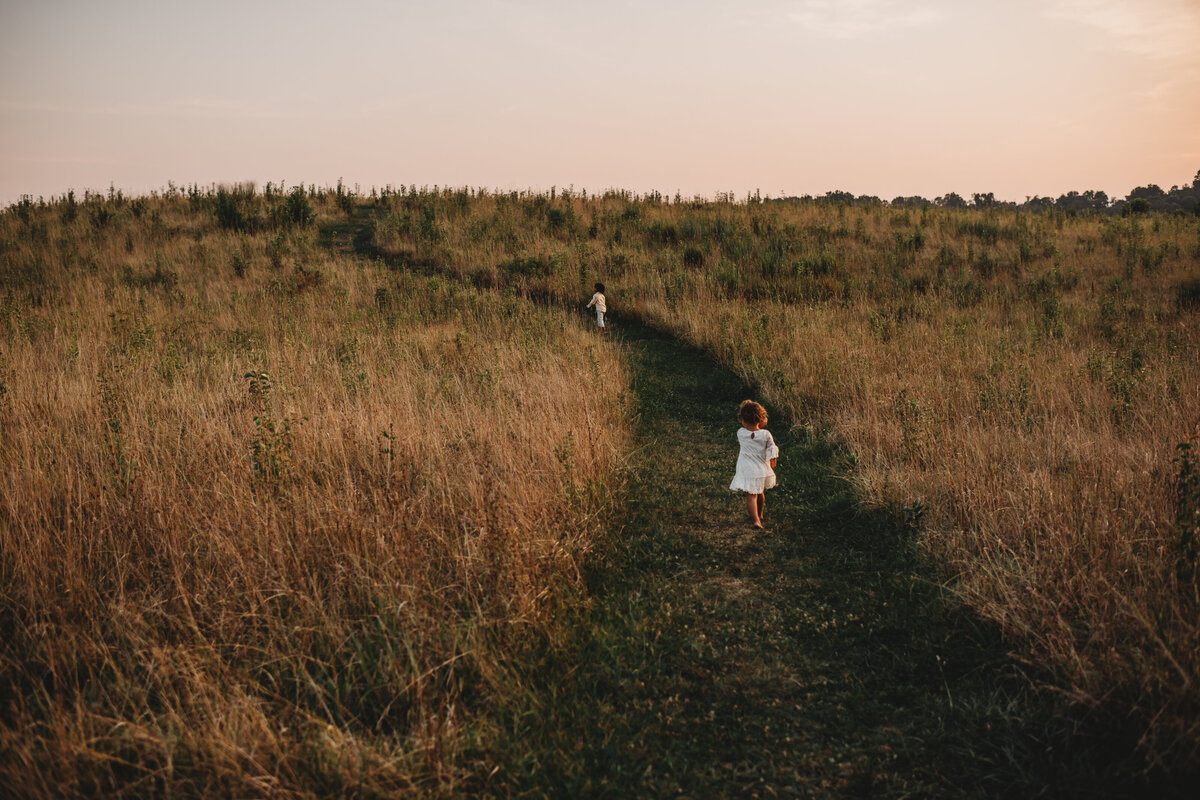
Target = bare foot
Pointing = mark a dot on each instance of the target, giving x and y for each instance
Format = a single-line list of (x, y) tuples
[(757, 525)]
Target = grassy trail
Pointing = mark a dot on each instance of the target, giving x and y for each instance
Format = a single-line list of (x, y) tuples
[(818, 658), (811, 659)]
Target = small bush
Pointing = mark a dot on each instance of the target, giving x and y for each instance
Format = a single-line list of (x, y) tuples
[(1187, 294), (527, 266), (306, 279), (345, 200), (227, 207), (1187, 516), (296, 210), (986, 264), (823, 263), (947, 256), (162, 277), (661, 233), (967, 293)]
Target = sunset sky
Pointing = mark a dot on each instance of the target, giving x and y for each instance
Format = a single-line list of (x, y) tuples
[(883, 97)]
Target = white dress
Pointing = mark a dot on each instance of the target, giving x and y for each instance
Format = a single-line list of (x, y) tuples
[(754, 474)]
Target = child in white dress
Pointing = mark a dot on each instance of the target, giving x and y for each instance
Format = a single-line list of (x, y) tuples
[(756, 461), (598, 302)]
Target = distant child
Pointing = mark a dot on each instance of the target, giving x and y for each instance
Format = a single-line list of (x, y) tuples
[(756, 461), (598, 302)]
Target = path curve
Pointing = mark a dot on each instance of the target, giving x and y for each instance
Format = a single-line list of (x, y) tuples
[(812, 659)]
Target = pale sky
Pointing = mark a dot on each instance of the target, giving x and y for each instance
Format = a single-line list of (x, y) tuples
[(883, 97)]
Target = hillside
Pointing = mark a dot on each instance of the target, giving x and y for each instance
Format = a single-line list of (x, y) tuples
[(313, 491)]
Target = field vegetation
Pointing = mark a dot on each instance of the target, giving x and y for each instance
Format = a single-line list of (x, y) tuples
[(1017, 384), (272, 517), (313, 456)]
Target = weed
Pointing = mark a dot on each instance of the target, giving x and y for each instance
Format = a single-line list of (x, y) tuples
[(346, 201), (556, 219), (527, 266), (1187, 519), (819, 264), (1187, 294), (967, 293), (161, 277), (271, 448), (985, 263), (947, 257), (118, 446), (294, 211), (229, 210), (277, 248), (913, 434)]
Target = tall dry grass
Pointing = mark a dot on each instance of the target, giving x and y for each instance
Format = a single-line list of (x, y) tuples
[(1014, 384), (273, 520), (1017, 385)]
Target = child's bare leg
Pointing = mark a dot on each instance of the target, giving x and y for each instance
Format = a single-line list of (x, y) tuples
[(752, 507), (762, 506)]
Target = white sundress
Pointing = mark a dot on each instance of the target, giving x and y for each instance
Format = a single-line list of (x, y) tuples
[(754, 474)]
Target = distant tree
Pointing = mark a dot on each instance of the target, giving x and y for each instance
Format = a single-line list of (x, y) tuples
[(1185, 199), (1138, 205), (1088, 201), (915, 201), (983, 200), (1179, 200), (951, 200), (1071, 201), (1149, 193), (840, 197)]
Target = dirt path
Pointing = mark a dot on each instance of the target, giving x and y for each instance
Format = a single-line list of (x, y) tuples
[(809, 660)]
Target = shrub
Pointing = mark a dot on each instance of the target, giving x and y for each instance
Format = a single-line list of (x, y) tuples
[(527, 266), (1187, 294), (1138, 205), (661, 233), (162, 276), (823, 263), (227, 208), (296, 210)]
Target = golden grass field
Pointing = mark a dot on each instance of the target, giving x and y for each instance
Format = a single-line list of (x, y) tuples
[(281, 496), (260, 530), (1022, 387)]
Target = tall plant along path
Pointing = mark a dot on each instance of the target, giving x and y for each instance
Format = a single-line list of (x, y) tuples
[(819, 657)]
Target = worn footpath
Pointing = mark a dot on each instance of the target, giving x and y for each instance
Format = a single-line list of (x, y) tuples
[(816, 658)]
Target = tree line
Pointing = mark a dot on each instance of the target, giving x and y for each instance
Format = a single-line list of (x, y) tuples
[(1183, 199)]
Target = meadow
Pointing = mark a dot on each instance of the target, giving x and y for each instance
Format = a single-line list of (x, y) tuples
[(271, 517), (1018, 386), (294, 478)]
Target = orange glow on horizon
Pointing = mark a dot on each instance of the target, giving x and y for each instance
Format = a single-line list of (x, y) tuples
[(882, 97)]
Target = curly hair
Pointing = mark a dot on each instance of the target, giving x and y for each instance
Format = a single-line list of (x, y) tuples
[(751, 412)]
